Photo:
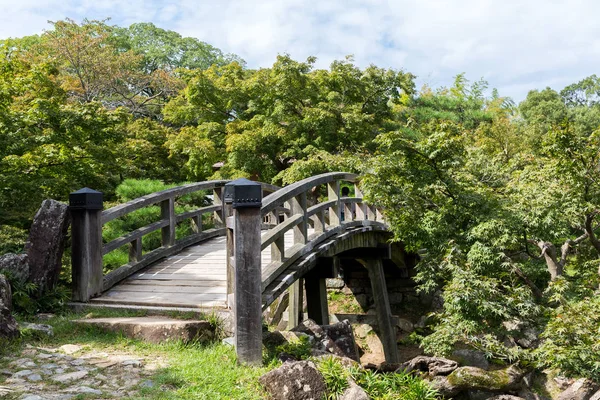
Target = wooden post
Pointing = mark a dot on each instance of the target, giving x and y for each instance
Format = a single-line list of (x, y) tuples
[(298, 206), (245, 197), (382, 307), (333, 193), (219, 216), (316, 300), (86, 206), (167, 213), (296, 304)]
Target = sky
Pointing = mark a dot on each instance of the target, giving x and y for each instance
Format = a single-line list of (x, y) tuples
[(515, 45)]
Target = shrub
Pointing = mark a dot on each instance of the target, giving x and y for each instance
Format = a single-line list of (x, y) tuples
[(572, 339)]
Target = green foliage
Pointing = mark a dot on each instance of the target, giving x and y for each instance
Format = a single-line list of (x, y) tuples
[(12, 239), (27, 300), (395, 386), (335, 377), (572, 339), (300, 349)]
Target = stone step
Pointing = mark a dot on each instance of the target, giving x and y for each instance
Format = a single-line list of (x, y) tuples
[(155, 329)]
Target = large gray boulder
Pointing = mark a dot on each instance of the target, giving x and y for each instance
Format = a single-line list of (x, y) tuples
[(472, 378), (294, 381), (46, 243), (15, 267), (5, 292), (354, 392), (431, 365), (336, 339), (8, 325), (581, 389)]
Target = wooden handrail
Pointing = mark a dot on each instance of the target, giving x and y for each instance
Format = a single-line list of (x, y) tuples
[(154, 198), (279, 197), (167, 224)]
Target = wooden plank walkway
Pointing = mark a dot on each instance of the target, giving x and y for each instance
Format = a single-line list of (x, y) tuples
[(195, 278)]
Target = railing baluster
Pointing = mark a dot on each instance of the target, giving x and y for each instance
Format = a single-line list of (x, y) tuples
[(298, 206), (277, 247), (333, 193), (219, 216), (167, 213), (319, 221), (361, 207), (371, 214), (135, 250), (348, 212), (197, 224)]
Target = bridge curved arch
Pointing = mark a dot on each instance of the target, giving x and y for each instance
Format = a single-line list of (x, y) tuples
[(369, 236)]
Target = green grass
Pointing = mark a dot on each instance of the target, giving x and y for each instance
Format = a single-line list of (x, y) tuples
[(194, 371), (208, 370)]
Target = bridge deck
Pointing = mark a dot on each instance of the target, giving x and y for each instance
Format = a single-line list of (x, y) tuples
[(194, 278)]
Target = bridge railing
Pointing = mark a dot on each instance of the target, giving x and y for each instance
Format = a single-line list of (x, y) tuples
[(89, 249), (301, 210)]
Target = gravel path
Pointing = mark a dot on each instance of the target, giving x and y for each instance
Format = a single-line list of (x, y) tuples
[(70, 370)]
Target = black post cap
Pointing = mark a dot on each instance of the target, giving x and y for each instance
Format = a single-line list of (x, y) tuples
[(86, 199), (243, 193)]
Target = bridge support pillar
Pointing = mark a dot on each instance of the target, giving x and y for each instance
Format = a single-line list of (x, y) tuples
[(86, 206), (382, 307), (245, 197), (316, 300), (296, 304)]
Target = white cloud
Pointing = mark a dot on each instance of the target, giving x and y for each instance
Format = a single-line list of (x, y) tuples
[(515, 45)]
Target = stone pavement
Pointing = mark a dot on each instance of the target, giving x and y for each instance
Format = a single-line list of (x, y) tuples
[(71, 370)]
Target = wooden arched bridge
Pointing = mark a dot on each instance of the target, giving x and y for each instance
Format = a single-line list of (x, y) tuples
[(242, 251)]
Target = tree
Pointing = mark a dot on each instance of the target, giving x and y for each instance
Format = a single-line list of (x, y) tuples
[(48, 145), (262, 122), (168, 50)]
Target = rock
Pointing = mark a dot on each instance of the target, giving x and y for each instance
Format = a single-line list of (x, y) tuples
[(337, 338), (581, 389), (505, 397), (278, 338), (471, 358), (335, 283), (229, 340), (34, 377), (69, 377), (44, 329), (432, 365), (294, 381), (46, 242), (15, 267), (22, 373), (32, 397), (44, 316), (362, 330), (354, 392), (345, 361), (405, 325), (155, 329), (9, 329), (147, 384), (84, 389), (5, 292), (375, 347), (529, 339), (596, 396), (69, 348), (134, 363), (472, 378)]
